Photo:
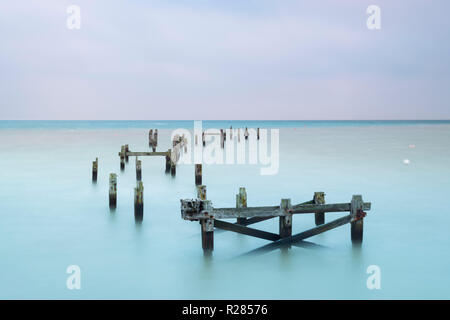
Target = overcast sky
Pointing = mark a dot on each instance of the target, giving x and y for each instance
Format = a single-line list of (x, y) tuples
[(227, 59)]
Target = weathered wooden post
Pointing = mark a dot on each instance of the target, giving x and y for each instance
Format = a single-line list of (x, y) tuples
[(127, 149), (203, 138), (198, 174), (139, 201), (257, 133), (241, 202), (138, 170), (94, 170), (150, 138), (231, 133), (173, 160), (112, 190), (196, 139), (168, 161), (319, 198), (155, 139), (122, 158), (222, 139), (356, 210), (286, 221), (201, 192), (246, 133), (239, 134)]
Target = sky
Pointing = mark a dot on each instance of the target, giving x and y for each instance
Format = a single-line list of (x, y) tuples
[(224, 60)]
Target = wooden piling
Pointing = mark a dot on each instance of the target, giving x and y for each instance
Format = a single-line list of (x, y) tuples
[(94, 170), (122, 158), (357, 224), (201, 192), (138, 170), (198, 174), (173, 168), (155, 138), (241, 202), (319, 198), (203, 138), (285, 221), (126, 150), (246, 133), (222, 139), (168, 161), (239, 134), (112, 190), (207, 235), (139, 201), (257, 133)]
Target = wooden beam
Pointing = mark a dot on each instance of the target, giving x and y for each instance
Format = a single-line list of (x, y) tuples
[(303, 235), (245, 230)]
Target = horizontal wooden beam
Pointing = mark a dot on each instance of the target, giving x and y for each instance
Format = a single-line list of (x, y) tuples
[(246, 230), (144, 154), (303, 235), (334, 207)]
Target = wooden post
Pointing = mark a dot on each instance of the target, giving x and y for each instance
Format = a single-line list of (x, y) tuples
[(94, 170), (207, 235), (196, 139), (319, 198), (139, 201), (246, 133), (201, 192), (138, 170), (126, 150), (155, 139), (122, 158), (222, 139), (231, 133), (239, 134), (150, 138), (257, 133), (241, 202), (112, 190), (357, 223), (173, 168), (168, 161), (198, 174), (285, 221), (203, 138)]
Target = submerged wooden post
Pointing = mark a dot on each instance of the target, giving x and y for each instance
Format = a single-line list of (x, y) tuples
[(222, 139), (246, 133), (168, 161), (357, 223), (139, 201), (286, 221), (241, 202), (112, 190), (319, 198), (126, 150), (94, 170), (198, 174), (203, 138), (138, 169), (173, 169), (257, 133), (150, 138), (122, 158), (207, 225), (231, 133), (155, 140), (239, 134)]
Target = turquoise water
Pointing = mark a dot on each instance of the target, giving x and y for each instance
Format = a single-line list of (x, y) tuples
[(53, 216)]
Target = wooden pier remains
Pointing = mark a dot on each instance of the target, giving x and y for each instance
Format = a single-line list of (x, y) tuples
[(95, 170), (171, 156), (153, 139), (112, 191), (139, 201), (209, 217)]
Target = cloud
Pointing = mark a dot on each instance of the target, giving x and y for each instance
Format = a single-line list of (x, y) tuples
[(223, 60)]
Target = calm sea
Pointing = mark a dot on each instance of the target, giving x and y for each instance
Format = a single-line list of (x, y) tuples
[(53, 216)]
